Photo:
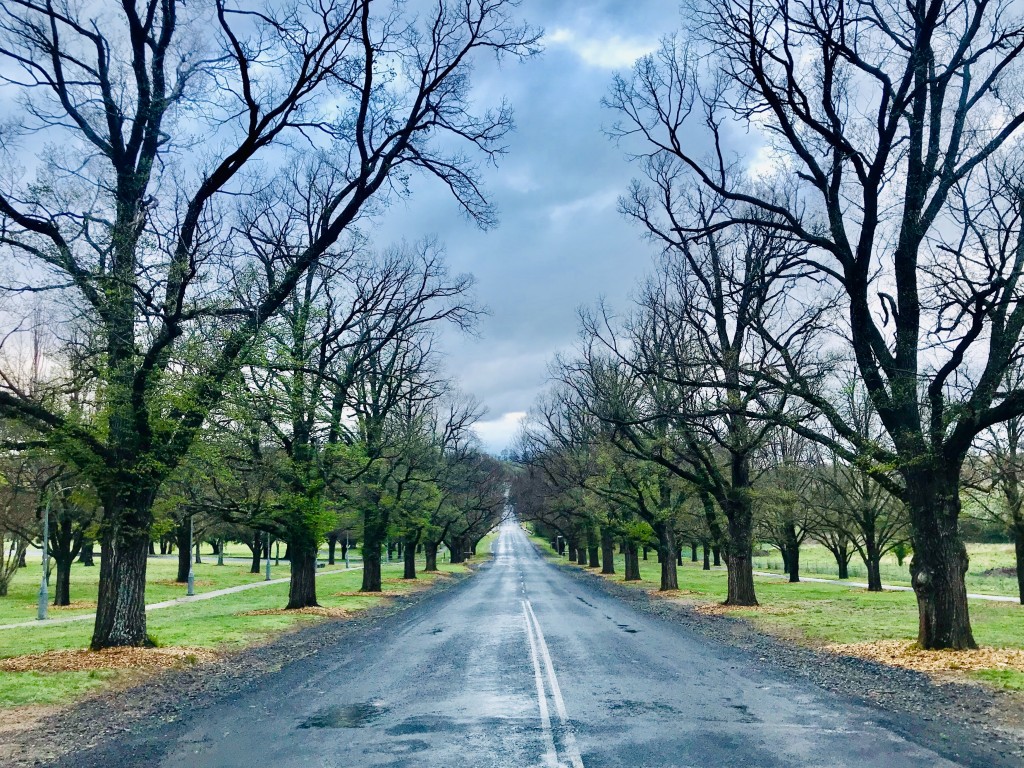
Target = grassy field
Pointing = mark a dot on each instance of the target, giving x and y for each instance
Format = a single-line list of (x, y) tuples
[(827, 614), (21, 601), (222, 624), (983, 576)]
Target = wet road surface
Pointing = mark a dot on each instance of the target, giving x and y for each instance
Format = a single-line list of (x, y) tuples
[(524, 666)]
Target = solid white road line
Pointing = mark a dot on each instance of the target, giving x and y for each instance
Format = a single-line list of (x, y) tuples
[(551, 756), (571, 748)]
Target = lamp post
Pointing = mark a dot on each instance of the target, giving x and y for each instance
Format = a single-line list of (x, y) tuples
[(44, 596), (191, 571), (267, 576)]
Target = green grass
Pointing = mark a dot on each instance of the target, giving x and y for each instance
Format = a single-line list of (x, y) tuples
[(21, 688), (818, 562), (483, 549), (221, 623), (21, 602), (830, 613), (1005, 679)]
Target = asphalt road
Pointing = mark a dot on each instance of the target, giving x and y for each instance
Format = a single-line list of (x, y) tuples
[(523, 666)]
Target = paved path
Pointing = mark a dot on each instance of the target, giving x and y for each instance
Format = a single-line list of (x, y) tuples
[(524, 666), (169, 603), (887, 587)]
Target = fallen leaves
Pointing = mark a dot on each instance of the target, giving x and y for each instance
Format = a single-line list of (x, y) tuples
[(79, 660), (313, 610), (173, 583), (906, 654), (720, 609), (75, 605), (669, 594)]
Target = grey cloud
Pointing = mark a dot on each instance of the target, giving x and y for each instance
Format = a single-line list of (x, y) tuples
[(561, 242)]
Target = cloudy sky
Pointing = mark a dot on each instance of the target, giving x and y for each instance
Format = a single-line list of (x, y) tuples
[(560, 243)]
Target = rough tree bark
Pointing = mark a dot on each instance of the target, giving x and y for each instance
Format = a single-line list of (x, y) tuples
[(181, 538), (430, 554), (940, 561), (667, 556), (632, 563), (607, 553), (302, 584)]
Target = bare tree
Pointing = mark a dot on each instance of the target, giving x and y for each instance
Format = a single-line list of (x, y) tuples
[(153, 111), (889, 164)]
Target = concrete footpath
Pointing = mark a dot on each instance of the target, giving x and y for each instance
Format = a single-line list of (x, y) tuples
[(170, 603)]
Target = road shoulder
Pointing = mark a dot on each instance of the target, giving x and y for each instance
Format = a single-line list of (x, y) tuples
[(967, 723)]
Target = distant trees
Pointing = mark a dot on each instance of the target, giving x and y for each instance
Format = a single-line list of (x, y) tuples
[(138, 241)]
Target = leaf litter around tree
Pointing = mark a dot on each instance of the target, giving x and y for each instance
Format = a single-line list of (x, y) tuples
[(80, 660), (906, 654)]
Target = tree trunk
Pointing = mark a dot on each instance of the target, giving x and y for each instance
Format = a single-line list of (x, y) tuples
[(88, 553), (716, 553), (371, 569), (793, 554), (874, 567), (458, 549), (707, 556), (62, 591), (844, 567), (199, 560), (332, 545), (375, 529), (257, 549), (595, 557), (181, 536), (645, 552), (581, 556), (632, 563), (1018, 549), (121, 604), (302, 582), (607, 553), (64, 547), (785, 558), (739, 514), (430, 553), (667, 555), (940, 562), (409, 558), (693, 552)]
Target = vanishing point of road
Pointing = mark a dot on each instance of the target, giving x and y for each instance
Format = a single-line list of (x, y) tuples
[(520, 666)]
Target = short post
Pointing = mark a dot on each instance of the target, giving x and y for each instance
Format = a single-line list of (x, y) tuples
[(191, 571), (267, 576), (44, 596)]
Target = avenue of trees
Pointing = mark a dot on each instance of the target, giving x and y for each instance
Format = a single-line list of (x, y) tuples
[(197, 328), (831, 347)]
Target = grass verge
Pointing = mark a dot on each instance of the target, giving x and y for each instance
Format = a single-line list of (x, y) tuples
[(222, 624)]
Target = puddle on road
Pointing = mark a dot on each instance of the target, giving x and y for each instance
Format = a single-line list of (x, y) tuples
[(350, 716)]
